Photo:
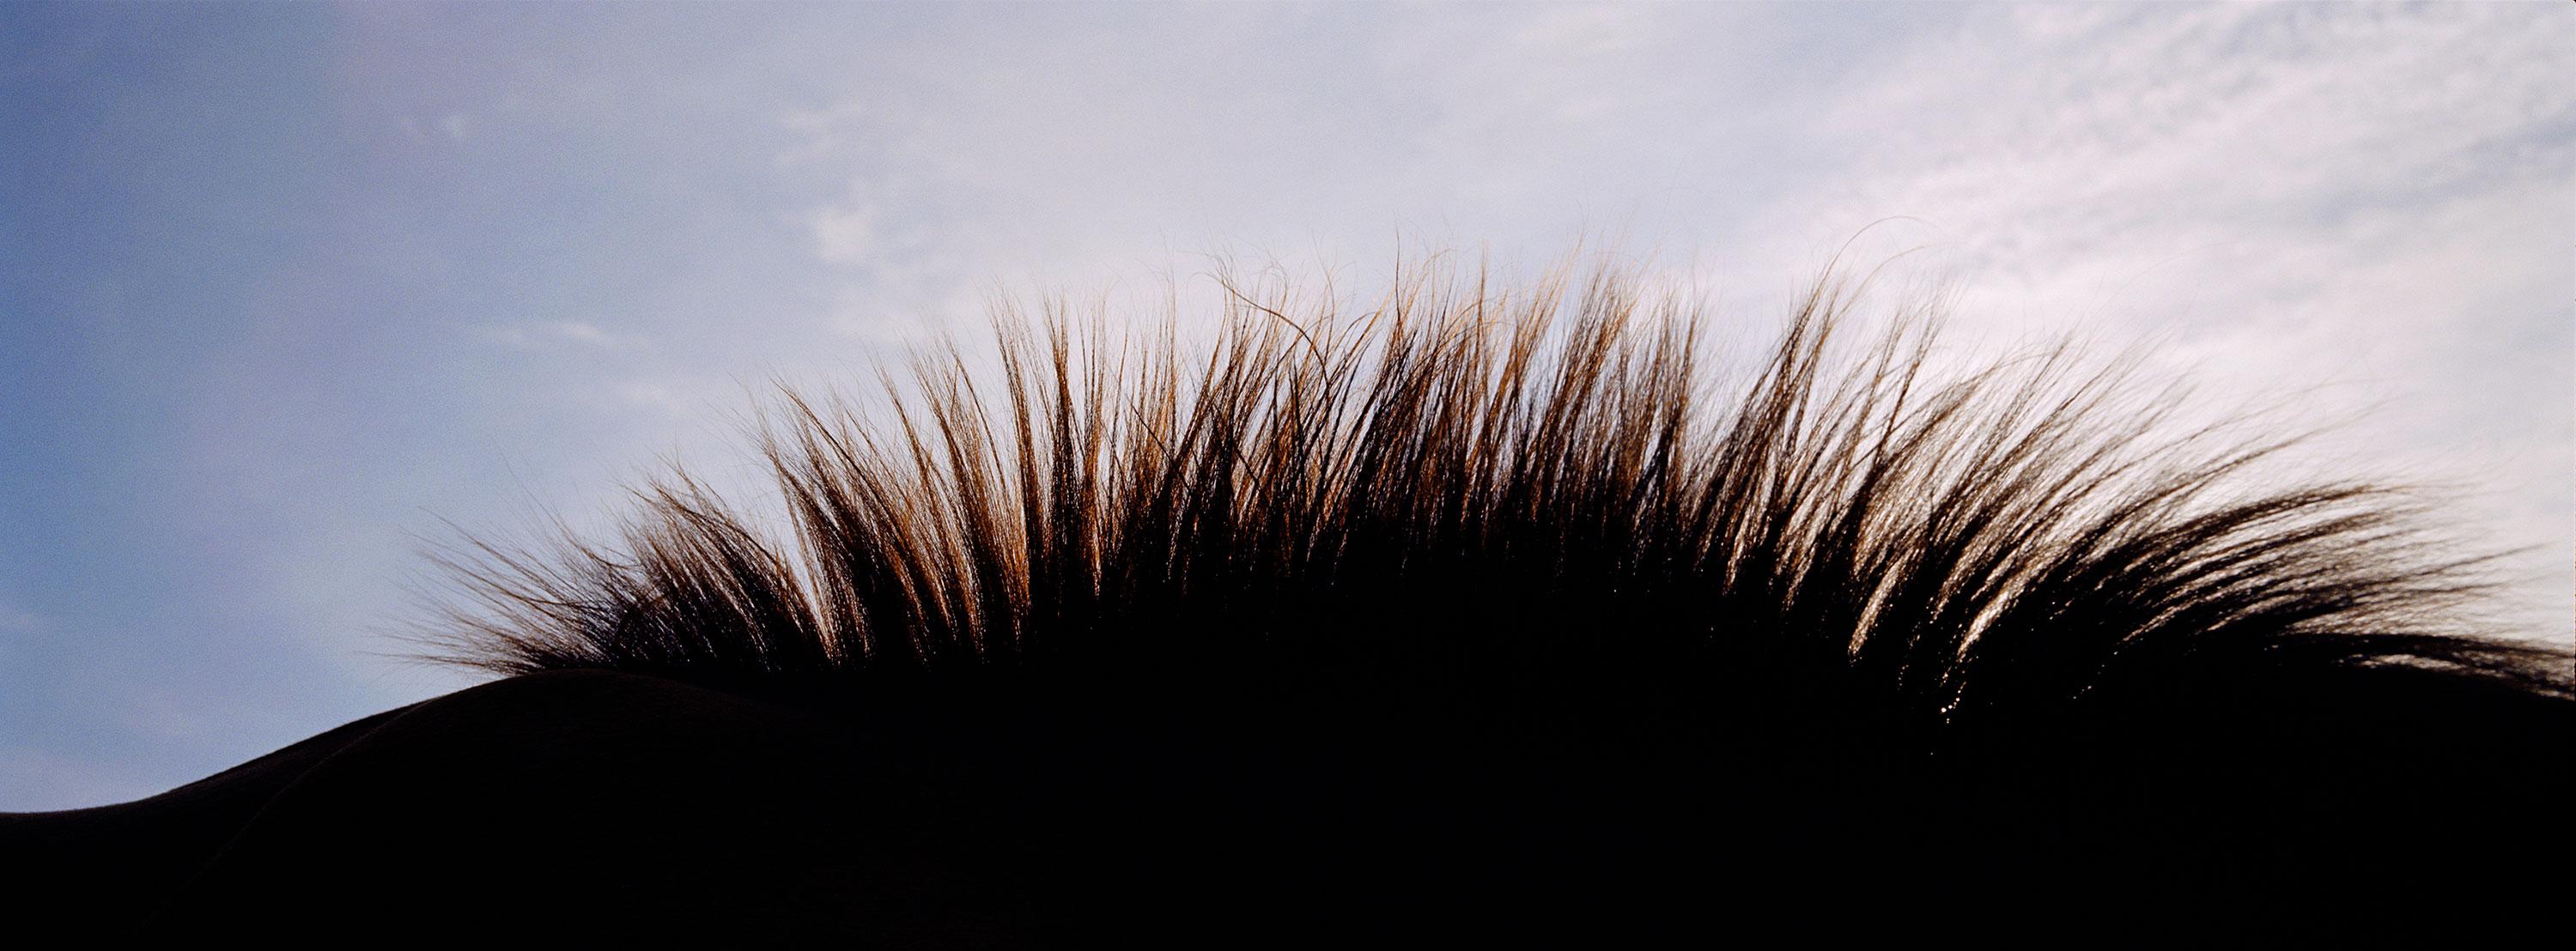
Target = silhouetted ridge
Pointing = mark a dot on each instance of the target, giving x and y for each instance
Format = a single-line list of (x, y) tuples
[(1489, 605), (1511, 484)]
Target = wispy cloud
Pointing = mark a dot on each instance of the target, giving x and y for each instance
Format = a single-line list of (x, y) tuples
[(845, 234), (560, 333), (2369, 198), (648, 394), (2297, 199)]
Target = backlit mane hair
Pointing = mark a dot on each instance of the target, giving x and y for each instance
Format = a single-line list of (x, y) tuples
[(1469, 487), (1486, 596)]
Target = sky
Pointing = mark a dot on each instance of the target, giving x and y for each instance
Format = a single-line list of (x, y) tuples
[(291, 294)]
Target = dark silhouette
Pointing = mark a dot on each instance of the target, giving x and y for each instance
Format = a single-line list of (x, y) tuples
[(1483, 612)]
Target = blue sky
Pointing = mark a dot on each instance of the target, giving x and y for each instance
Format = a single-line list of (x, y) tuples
[(284, 290)]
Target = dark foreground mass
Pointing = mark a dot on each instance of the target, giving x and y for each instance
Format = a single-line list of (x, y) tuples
[(575, 804), (595, 805), (1482, 613)]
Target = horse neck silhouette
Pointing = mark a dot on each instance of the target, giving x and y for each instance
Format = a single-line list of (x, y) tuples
[(1475, 610)]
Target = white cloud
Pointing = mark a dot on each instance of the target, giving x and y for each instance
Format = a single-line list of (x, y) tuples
[(845, 234), (2043, 135), (2361, 210), (554, 333), (648, 394), (579, 332)]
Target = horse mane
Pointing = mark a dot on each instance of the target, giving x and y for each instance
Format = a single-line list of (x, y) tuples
[(1472, 523), (1534, 473)]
